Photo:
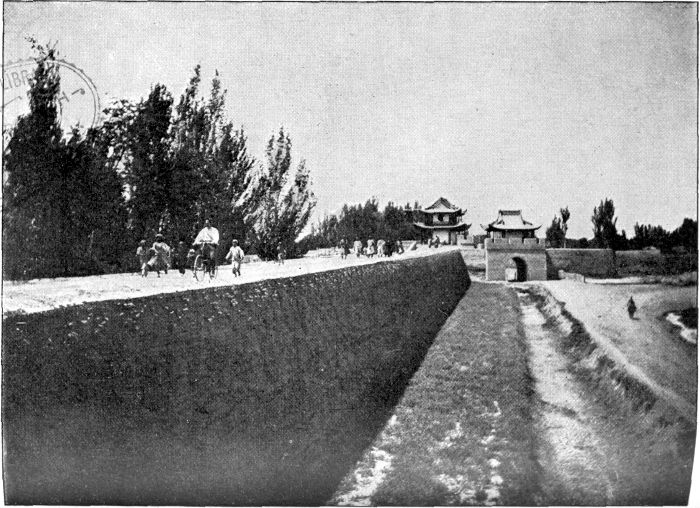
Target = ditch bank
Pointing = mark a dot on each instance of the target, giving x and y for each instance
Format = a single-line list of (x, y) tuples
[(264, 393), (608, 434), (463, 431)]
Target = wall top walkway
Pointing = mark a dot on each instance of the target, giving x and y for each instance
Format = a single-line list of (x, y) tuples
[(40, 295)]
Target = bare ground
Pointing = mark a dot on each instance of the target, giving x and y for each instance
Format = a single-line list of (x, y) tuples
[(649, 344), (597, 445)]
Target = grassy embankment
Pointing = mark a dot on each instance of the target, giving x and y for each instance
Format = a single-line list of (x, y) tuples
[(462, 433), (258, 394)]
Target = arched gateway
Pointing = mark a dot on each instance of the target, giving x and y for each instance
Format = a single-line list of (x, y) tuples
[(516, 270), (512, 251)]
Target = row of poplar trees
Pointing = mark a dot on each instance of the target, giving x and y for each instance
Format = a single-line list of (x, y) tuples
[(362, 222), (79, 202)]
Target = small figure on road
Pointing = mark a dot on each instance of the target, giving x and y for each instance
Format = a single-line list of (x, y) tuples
[(236, 254), (399, 247), (371, 249), (357, 247), (142, 255), (344, 248), (631, 307), (280, 254), (380, 248), (161, 255), (179, 259)]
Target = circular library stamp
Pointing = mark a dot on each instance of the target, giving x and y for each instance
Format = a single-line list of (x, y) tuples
[(79, 102)]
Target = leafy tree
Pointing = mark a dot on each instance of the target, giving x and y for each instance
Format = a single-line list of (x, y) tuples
[(63, 205), (182, 164), (364, 221), (143, 133), (565, 215), (278, 207), (556, 232), (686, 235), (605, 225), (646, 235)]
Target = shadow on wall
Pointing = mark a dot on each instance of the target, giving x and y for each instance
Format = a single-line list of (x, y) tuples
[(264, 393)]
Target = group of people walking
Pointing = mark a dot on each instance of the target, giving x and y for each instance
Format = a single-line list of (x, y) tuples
[(381, 248), (160, 256)]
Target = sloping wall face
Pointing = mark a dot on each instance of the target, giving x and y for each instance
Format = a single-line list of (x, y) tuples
[(587, 262), (264, 393), (501, 253)]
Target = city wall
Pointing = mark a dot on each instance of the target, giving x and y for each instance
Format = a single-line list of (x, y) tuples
[(598, 263), (501, 251), (264, 393)]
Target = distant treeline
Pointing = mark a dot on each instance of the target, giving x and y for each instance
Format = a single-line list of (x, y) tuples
[(606, 235), (362, 222), (79, 202)]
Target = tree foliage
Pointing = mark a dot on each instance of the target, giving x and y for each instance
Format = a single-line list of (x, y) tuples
[(684, 237), (556, 232), (79, 202), (605, 225), (277, 200), (63, 205), (364, 221)]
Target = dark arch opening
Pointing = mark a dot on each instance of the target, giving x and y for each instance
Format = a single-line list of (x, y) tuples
[(521, 268)]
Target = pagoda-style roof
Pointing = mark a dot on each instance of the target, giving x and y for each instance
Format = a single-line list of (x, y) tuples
[(442, 206), (510, 220)]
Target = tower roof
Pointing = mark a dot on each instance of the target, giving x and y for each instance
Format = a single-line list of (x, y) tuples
[(442, 206), (510, 220)]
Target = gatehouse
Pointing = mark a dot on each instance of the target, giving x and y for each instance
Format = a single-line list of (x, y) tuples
[(513, 253)]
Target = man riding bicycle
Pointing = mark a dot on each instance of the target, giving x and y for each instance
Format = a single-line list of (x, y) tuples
[(208, 241)]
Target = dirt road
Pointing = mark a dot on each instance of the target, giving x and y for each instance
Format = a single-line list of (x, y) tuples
[(649, 343), (591, 452)]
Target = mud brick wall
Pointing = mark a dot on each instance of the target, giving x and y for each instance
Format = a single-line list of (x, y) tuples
[(501, 251), (264, 393), (587, 262), (639, 262), (604, 263)]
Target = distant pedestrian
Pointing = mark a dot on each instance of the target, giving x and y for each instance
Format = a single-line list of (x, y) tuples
[(281, 254), (344, 248), (142, 255), (179, 258), (357, 247), (371, 249), (161, 255), (380, 248), (399, 247), (631, 307), (236, 255)]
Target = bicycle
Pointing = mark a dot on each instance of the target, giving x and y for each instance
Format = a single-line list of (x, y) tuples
[(204, 264)]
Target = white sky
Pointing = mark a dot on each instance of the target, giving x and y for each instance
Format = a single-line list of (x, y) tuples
[(532, 106)]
